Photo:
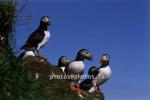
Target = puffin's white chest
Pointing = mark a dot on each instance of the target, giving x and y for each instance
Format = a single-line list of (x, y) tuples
[(76, 66), (63, 69), (45, 40), (103, 75), (28, 53)]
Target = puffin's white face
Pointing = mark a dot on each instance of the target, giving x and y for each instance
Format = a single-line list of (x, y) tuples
[(105, 58), (65, 60), (45, 20)]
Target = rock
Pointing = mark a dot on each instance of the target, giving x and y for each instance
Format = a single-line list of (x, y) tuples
[(54, 89)]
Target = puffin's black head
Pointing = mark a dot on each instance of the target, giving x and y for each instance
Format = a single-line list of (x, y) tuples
[(84, 54), (63, 61), (105, 59), (45, 20), (92, 70)]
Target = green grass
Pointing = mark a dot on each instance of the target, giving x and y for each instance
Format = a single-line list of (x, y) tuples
[(17, 77)]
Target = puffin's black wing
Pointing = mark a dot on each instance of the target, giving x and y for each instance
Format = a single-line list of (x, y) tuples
[(68, 71), (34, 39), (95, 72), (86, 84)]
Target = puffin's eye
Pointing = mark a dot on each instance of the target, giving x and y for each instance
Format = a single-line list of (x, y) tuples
[(66, 58), (107, 57)]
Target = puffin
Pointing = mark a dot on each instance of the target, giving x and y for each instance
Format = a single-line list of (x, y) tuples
[(39, 38), (99, 75), (76, 68), (63, 62)]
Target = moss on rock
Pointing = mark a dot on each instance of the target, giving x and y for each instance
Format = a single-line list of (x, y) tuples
[(54, 89)]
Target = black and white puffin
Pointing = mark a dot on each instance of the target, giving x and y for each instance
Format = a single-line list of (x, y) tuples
[(39, 37), (76, 68), (100, 75), (63, 62)]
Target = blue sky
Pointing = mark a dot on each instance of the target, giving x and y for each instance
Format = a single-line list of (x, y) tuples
[(117, 27)]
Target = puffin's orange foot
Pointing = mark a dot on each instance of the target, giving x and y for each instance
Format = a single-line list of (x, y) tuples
[(75, 89)]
